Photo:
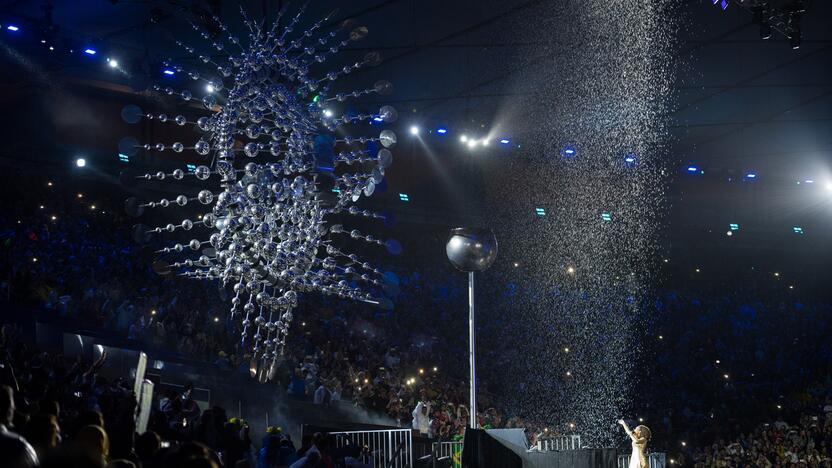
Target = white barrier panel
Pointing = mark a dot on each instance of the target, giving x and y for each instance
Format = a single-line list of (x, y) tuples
[(391, 448), (453, 450), (569, 442), (654, 460)]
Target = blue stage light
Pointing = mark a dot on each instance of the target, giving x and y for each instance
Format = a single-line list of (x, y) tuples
[(692, 169), (569, 151), (442, 130), (505, 141), (123, 157), (12, 27), (168, 71), (751, 175), (378, 119), (798, 230), (90, 51), (80, 162), (629, 159), (404, 197), (809, 181), (540, 211)]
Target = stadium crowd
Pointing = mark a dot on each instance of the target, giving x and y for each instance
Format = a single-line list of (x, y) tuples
[(731, 363)]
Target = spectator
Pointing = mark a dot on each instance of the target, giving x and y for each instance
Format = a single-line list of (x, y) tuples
[(17, 452), (43, 432), (323, 396), (421, 420), (93, 444)]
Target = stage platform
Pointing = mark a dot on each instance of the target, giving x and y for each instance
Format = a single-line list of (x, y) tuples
[(507, 448)]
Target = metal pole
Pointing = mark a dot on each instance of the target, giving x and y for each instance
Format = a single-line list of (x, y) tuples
[(472, 352)]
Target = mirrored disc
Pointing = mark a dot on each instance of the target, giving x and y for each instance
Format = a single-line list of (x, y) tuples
[(131, 113), (370, 188), (393, 246), (128, 146), (133, 207), (161, 267), (385, 157), (141, 234)]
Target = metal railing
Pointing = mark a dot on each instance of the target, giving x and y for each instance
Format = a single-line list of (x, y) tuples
[(567, 442), (391, 448), (449, 449), (654, 460)]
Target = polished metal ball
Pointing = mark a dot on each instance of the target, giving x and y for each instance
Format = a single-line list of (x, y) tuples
[(471, 249)]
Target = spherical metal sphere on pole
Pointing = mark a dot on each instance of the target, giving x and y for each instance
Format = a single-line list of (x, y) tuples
[(471, 249)]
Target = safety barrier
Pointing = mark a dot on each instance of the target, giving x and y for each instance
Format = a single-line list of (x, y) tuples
[(391, 448), (567, 442), (654, 460), (449, 449)]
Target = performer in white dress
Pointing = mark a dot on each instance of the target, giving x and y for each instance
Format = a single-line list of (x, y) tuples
[(640, 436)]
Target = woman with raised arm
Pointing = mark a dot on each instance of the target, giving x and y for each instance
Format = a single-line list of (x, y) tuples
[(640, 436)]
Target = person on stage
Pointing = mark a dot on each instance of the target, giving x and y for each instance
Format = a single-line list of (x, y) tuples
[(640, 436)]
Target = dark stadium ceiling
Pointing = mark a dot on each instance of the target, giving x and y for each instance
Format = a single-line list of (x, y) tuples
[(741, 102)]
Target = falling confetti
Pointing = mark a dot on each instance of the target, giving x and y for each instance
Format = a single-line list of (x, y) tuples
[(600, 75)]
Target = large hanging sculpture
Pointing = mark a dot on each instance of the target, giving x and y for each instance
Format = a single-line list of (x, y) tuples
[(271, 143)]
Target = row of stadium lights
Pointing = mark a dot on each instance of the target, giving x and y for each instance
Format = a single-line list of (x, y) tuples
[(471, 142), (92, 52), (753, 176)]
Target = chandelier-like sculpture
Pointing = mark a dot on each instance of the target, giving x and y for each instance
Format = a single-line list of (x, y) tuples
[(275, 153)]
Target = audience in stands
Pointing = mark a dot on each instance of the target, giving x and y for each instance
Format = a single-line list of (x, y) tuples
[(731, 363)]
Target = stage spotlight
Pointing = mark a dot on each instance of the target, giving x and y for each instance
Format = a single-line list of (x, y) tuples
[(89, 51), (210, 89), (505, 141), (829, 186), (327, 113), (629, 159), (12, 27), (442, 130), (751, 175), (51, 48), (463, 138), (414, 130), (80, 162), (168, 71), (485, 142), (692, 169), (113, 63), (569, 151), (378, 119)]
